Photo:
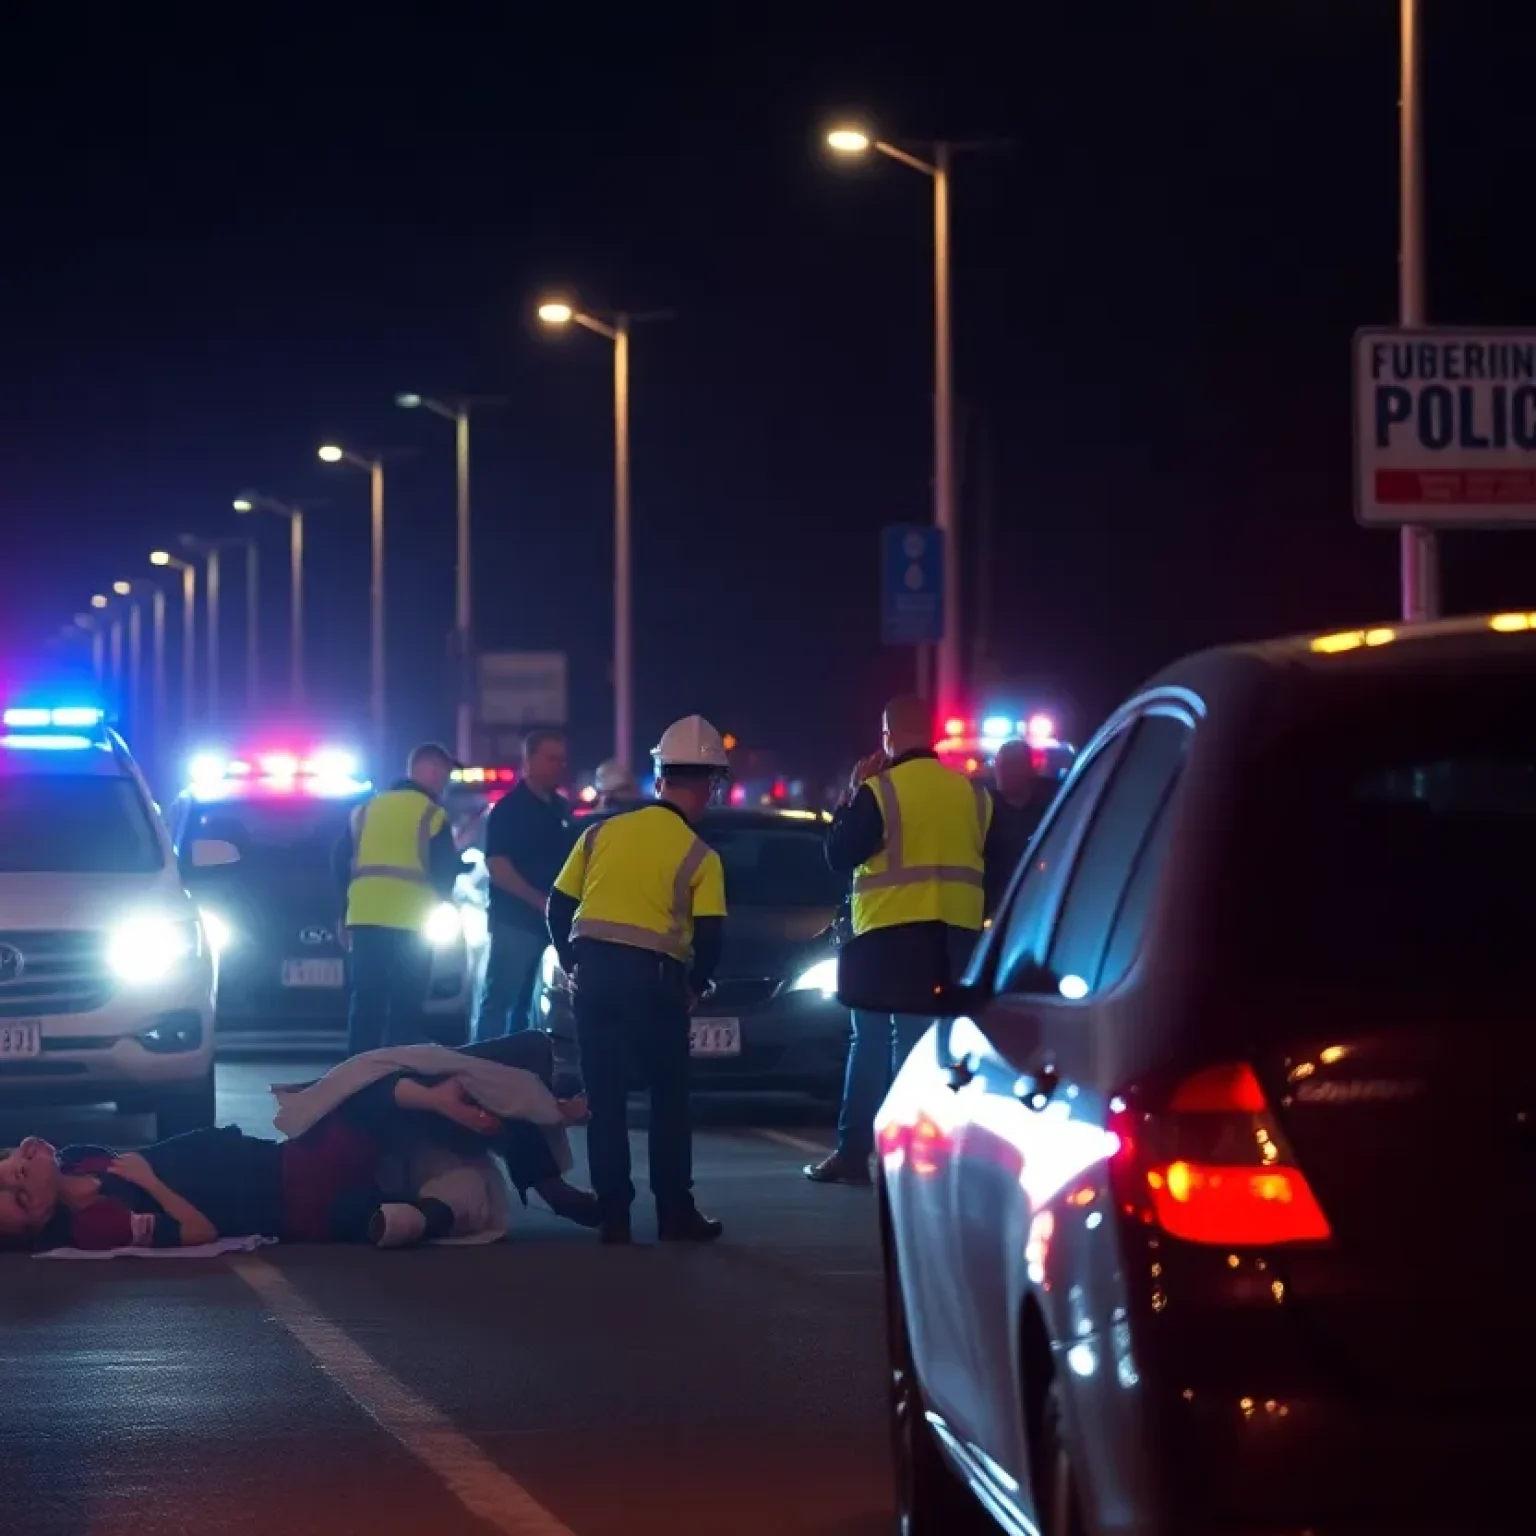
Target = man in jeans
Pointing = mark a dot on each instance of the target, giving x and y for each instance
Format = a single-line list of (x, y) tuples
[(527, 837)]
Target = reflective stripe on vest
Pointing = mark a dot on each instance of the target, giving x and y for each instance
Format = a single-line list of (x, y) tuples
[(896, 872), (417, 874), (674, 941)]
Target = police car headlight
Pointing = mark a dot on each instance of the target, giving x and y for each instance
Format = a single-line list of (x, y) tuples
[(149, 948), (444, 924), (220, 934), (476, 925), (821, 977)]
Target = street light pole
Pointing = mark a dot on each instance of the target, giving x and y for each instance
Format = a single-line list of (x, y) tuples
[(167, 561), (157, 650), (135, 664), (254, 501), (211, 598), (252, 628), (1419, 561)]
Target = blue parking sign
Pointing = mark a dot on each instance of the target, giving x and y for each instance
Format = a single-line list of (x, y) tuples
[(911, 584)]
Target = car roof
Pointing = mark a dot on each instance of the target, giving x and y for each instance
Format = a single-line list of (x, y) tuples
[(1224, 676)]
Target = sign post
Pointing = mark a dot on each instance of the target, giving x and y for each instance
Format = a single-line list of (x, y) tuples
[(1445, 428), (912, 589)]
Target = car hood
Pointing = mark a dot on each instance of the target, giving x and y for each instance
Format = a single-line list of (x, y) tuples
[(85, 901), (772, 941)]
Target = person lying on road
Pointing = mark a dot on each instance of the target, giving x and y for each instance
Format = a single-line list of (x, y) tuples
[(320, 1186)]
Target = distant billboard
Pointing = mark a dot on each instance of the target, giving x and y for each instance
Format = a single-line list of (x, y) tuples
[(521, 689)]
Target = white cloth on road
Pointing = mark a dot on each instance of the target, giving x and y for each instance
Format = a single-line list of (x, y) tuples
[(201, 1251)]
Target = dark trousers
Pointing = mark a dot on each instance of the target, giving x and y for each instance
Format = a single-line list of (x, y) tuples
[(389, 970), (632, 1028)]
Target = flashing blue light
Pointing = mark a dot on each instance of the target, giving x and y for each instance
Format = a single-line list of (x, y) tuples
[(76, 716), (30, 719), (63, 743), (996, 727)]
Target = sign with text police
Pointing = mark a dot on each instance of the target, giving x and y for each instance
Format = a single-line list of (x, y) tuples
[(911, 584), (1445, 427)]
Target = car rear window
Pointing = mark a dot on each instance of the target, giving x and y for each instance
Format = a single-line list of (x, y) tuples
[(298, 830), (63, 824), (1388, 842), (774, 867)]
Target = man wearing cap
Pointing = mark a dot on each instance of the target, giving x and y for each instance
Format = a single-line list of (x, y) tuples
[(394, 863)]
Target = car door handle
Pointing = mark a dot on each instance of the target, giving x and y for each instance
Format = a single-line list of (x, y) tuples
[(958, 1073), (1037, 1089)]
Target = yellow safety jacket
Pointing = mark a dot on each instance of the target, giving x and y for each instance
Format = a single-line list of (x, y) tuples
[(640, 879), (931, 866), (391, 885)]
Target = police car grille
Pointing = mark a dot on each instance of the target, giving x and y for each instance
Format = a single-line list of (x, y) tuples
[(742, 992), (61, 972)]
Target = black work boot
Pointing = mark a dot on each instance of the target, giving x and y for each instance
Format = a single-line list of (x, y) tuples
[(687, 1225), (839, 1169), (614, 1231)]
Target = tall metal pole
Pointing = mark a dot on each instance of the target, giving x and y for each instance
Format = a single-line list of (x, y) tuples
[(157, 653), (188, 646), (135, 665), (115, 661), (623, 677), (212, 599), (296, 608), (98, 654), (1418, 549), (944, 438), (376, 614), (463, 659), (252, 627)]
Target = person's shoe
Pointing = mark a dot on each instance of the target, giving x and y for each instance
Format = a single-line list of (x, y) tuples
[(396, 1225), (565, 1200), (838, 1169), (614, 1231), (690, 1226)]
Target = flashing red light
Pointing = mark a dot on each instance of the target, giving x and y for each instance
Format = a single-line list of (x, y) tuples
[(1233, 1182), (954, 726), (738, 794), (279, 765), (780, 789)]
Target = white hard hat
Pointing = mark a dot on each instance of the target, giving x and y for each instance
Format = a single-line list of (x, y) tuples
[(614, 778), (691, 743)]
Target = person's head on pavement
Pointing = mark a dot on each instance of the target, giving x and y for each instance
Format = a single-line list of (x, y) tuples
[(544, 762), (690, 760), (908, 726), (1013, 771), (29, 1192), (431, 766)]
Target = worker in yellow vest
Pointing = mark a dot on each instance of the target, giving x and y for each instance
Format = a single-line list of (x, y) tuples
[(913, 836), (396, 863), (637, 917)]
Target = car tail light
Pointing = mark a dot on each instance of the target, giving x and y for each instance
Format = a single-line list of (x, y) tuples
[(1209, 1165)]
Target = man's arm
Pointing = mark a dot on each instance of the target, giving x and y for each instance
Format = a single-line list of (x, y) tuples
[(857, 832), (708, 924), (564, 899)]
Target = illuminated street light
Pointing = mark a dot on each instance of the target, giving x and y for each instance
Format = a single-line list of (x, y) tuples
[(122, 588), (243, 505), (408, 402), (332, 453), (556, 312), (99, 600), (849, 141)]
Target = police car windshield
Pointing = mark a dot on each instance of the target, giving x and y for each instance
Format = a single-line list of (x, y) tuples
[(64, 824), (774, 866), (290, 830)]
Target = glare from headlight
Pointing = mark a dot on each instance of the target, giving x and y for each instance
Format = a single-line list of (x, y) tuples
[(444, 924), (821, 977), (149, 948), (220, 934), (550, 973), (476, 925)]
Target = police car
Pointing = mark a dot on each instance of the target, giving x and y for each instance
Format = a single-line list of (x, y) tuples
[(274, 915), (971, 745), (107, 979)]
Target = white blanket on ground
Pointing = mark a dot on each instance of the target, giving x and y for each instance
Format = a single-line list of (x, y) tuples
[(475, 1188), (211, 1250)]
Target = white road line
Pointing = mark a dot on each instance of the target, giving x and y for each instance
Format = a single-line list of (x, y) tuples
[(422, 1430), (794, 1143)]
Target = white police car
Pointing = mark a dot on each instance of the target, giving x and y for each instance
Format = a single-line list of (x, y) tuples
[(107, 981)]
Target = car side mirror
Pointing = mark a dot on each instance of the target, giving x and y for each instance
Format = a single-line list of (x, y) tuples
[(212, 853)]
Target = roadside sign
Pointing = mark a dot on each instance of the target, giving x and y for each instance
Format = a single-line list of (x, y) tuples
[(521, 688), (911, 584), (1445, 427)]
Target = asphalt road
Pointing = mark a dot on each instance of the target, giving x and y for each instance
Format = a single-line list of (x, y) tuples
[(544, 1386)]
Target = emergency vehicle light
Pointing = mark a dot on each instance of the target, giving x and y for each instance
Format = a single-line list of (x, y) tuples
[(72, 717), (479, 775)]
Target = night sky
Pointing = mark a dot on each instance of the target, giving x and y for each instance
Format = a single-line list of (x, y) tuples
[(230, 236)]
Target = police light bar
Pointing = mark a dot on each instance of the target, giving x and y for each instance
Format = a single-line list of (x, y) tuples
[(73, 717), (326, 770), (480, 775)]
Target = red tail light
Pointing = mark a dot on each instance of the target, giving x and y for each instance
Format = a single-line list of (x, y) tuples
[(1213, 1167)]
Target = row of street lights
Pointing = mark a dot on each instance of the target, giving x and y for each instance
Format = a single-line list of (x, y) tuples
[(553, 312)]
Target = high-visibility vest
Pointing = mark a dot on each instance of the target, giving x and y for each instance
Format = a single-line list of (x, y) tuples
[(930, 867), (641, 878), (391, 885)]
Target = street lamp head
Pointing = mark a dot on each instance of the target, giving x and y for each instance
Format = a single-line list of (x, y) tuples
[(331, 454), (244, 504), (157, 557), (98, 601), (122, 588), (408, 402), (848, 141), (556, 312)]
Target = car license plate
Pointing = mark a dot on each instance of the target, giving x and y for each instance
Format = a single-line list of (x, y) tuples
[(20, 1040), (314, 973), (715, 1037)]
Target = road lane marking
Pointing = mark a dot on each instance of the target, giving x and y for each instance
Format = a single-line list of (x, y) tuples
[(422, 1430), (794, 1143)]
